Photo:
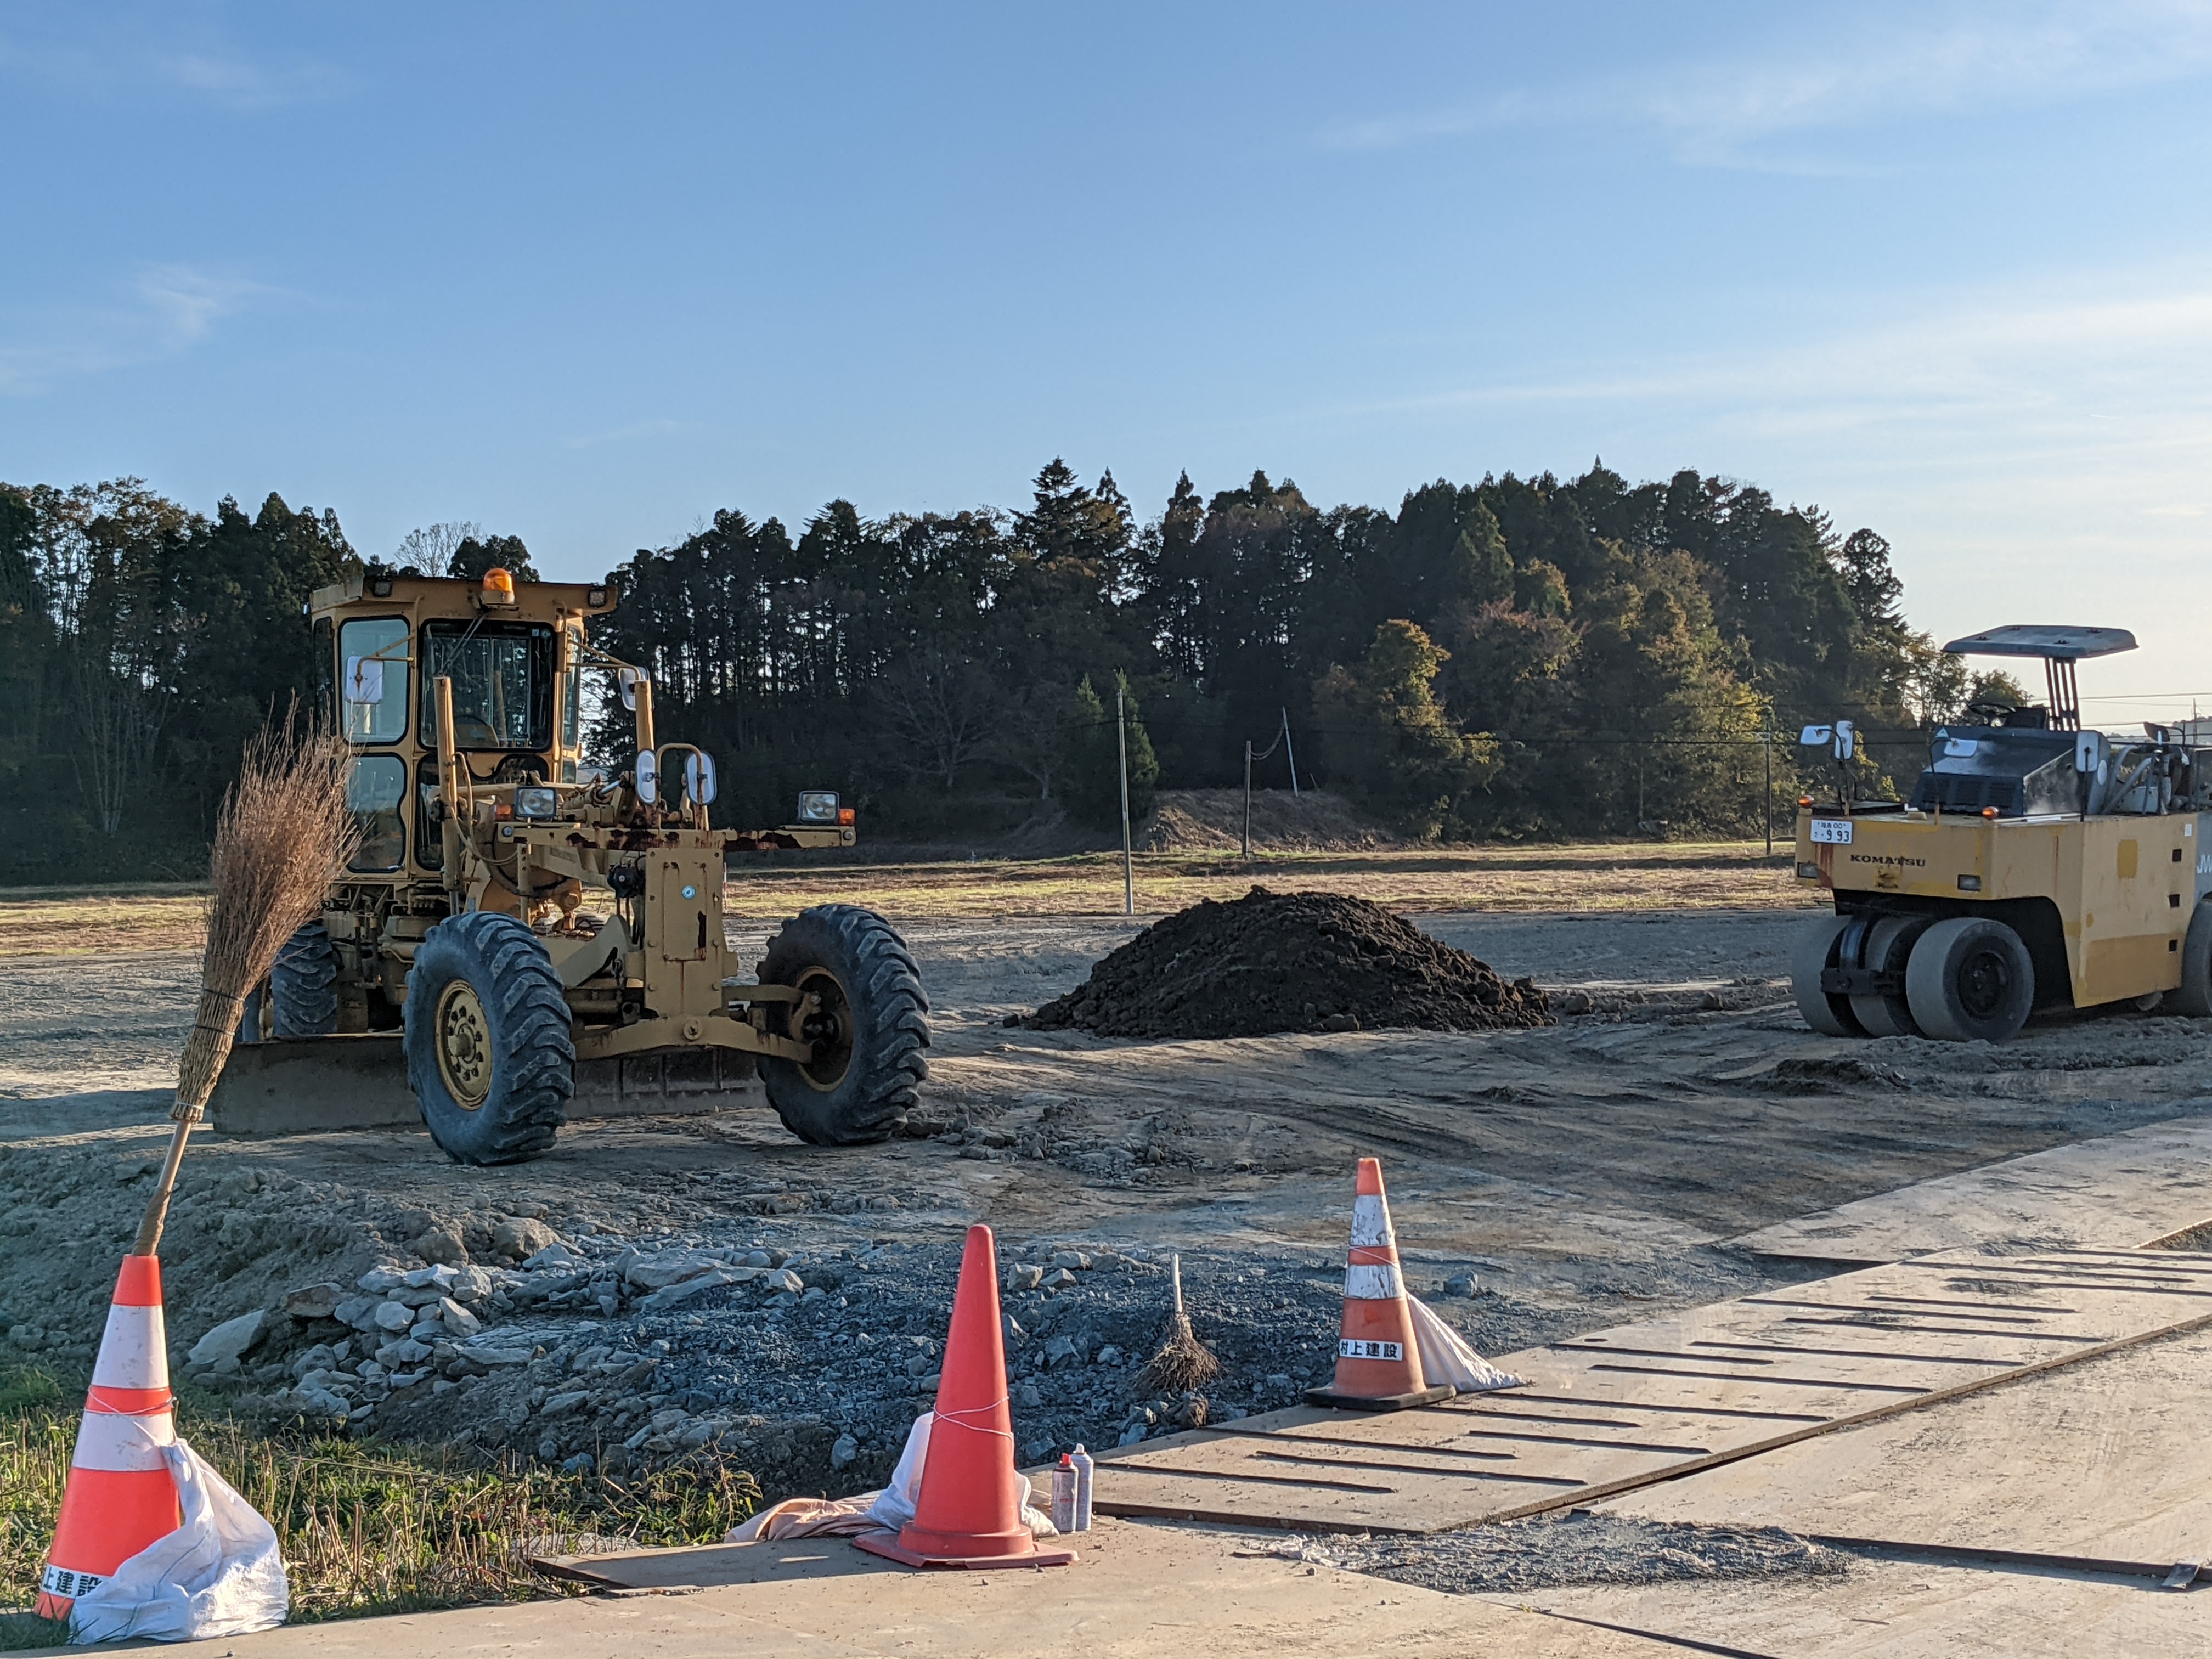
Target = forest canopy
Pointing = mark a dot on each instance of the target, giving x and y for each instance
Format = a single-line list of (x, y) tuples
[(1516, 659)]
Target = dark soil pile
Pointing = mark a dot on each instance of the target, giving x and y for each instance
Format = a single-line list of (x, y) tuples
[(1289, 961)]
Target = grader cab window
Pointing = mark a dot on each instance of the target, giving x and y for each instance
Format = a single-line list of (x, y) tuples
[(374, 793), (373, 679), (502, 675)]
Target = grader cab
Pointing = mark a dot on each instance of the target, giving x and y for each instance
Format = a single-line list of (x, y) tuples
[(457, 960)]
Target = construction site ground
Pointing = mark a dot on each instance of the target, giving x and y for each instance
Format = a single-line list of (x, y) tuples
[(1679, 1142)]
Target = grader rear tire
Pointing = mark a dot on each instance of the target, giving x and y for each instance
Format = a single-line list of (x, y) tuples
[(870, 1022), (303, 996), (490, 1054), (1816, 952)]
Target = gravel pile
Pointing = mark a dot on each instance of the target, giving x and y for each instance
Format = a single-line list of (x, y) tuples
[(1581, 1548), (1289, 961)]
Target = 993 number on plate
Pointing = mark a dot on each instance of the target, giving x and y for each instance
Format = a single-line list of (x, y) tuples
[(1831, 832)]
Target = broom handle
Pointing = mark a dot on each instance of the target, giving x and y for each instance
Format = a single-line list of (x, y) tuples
[(148, 1240)]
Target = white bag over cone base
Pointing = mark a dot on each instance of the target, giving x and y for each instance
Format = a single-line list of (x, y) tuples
[(1446, 1358), (219, 1574)]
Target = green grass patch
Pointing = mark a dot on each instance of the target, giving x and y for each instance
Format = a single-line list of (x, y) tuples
[(366, 1528)]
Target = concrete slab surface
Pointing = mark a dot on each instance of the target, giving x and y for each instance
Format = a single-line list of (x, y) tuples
[(2115, 1192), (1138, 1592)]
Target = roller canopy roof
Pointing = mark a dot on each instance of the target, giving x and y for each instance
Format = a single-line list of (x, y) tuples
[(2057, 643)]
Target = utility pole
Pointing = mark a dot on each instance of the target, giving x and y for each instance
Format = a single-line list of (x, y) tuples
[(1293, 749), (1767, 800), (1122, 741), (1249, 799)]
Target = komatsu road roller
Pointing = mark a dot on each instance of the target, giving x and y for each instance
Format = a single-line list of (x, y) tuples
[(2036, 865), (456, 971)]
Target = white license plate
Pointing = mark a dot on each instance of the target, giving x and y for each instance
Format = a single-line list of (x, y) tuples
[(1831, 832)]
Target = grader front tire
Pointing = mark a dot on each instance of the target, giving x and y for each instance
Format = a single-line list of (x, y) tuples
[(490, 1054), (867, 1016)]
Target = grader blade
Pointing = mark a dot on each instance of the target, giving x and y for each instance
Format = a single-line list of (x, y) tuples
[(309, 1085)]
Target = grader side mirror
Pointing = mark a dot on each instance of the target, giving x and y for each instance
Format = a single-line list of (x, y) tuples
[(699, 779), (628, 678), (648, 777)]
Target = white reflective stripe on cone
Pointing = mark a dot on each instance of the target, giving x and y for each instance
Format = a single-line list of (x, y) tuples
[(124, 1444), (1371, 1283), (1371, 1221), (134, 1352)]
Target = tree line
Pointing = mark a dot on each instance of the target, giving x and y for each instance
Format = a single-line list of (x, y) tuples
[(1520, 658)]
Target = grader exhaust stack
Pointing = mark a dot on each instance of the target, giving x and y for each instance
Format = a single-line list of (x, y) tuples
[(456, 978)]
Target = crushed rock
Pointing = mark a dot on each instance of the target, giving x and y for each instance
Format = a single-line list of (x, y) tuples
[(1580, 1547), (1289, 961)]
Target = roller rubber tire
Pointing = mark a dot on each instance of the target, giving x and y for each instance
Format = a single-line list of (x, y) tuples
[(533, 1054), (889, 1026), (2193, 996), (303, 985), (1970, 979), (1887, 1016), (1815, 951)]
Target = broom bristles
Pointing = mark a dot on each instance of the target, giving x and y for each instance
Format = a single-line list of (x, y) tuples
[(285, 827), (1182, 1361)]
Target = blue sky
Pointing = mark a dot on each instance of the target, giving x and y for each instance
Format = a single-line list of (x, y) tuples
[(587, 274)]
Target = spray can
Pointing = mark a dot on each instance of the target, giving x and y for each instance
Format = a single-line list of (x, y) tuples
[(1064, 1495), (1081, 1460)]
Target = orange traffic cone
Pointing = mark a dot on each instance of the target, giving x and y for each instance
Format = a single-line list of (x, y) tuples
[(968, 1511), (1378, 1357), (120, 1496)]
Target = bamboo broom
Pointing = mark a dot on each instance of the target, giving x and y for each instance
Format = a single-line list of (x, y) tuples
[(284, 828), (1183, 1362)]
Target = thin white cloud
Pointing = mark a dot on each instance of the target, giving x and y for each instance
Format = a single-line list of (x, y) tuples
[(1974, 57), (216, 73), (162, 310)]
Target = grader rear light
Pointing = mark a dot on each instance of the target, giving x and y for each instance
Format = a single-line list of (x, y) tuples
[(846, 815), (1970, 883), (1804, 800), (1989, 811)]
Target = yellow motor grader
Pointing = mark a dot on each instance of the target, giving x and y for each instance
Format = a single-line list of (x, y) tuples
[(454, 959), (2036, 865)]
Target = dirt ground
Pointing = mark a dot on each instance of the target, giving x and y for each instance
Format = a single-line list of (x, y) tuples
[(1543, 1181), (1315, 848)]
